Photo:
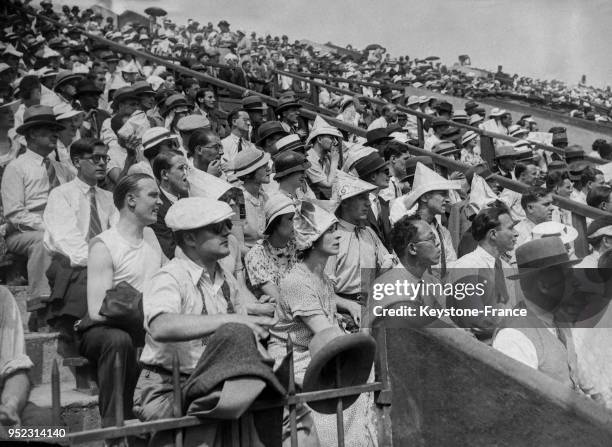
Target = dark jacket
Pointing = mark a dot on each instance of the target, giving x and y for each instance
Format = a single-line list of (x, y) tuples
[(165, 235), (382, 225)]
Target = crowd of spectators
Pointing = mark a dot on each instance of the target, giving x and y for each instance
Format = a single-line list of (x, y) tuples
[(241, 228)]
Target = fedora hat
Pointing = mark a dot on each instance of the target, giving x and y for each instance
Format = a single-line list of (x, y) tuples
[(249, 160), (173, 102), (505, 152), (376, 136), (354, 153), (540, 254), (142, 88), (277, 205), (321, 127), (291, 142), (369, 164), (287, 102), (66, 76), (289, 162), (427, 180), (253, 103), (87, 87), (331, 349), (445, 148), (123, 94), (38, 116), (267, 129)]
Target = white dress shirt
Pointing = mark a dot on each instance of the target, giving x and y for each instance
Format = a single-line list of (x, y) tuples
[(25, 189), (230, 149), (67, 216)]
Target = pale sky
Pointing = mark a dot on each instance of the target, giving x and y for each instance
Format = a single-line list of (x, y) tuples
[(560, 39)]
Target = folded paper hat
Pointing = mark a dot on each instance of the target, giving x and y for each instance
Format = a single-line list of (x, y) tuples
[(347, 185), (203, 184), (310, 222), (481, 194), (600, 227), (427, 180), (567, 233), (196, 212), (277, 205), (322, 127), (336, 356)]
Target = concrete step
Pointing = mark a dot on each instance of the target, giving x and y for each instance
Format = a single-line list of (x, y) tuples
[(79, 410), (42, 350)]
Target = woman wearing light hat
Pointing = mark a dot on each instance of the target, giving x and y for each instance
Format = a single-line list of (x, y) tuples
[(251, 166), (470, 154), (307, 307), (273, 256)]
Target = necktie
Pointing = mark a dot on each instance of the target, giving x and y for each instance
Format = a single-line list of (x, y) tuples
[(95, 227), (442, 249), (501, 291), (53, 180), (239, 145)]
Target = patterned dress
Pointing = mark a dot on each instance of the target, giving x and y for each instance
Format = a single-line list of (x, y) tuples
[(265, 263), (305, 294)]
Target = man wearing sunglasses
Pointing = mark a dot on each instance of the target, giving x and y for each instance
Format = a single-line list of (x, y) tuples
[(190, 303), (76, 212)]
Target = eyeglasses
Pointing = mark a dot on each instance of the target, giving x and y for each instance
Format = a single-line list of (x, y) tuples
[(97, 158), (217, 146), (431, 240), (220, 227)]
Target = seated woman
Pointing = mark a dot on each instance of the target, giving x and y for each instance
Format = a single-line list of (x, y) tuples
[(307, 305), (273, 256), (252, 167)]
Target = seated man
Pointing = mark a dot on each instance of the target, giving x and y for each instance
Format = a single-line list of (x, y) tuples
[(126, 254), (26, 183), (170, 169), (188, 303), (76, 212)]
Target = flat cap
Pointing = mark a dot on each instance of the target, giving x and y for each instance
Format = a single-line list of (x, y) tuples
[(197, 212)]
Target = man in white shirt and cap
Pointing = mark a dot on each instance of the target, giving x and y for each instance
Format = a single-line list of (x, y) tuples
[(189, 302), (526, 173), (428, 199)]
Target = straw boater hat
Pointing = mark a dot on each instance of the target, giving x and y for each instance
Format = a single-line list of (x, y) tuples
[(331, 349), (310, 222), (426, 180), (567, 233), (291, 142), (289, 162), (468, 136), (154, 136), (249, 160), (277, 205), (539, 254), (38, 116), (321, 127)]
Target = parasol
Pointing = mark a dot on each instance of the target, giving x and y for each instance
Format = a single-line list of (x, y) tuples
[(155, 12)]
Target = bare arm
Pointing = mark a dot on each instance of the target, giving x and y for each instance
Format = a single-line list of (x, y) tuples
[(14, 398), (352, 307), (99, 278), (168, 327), (316, 323)]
